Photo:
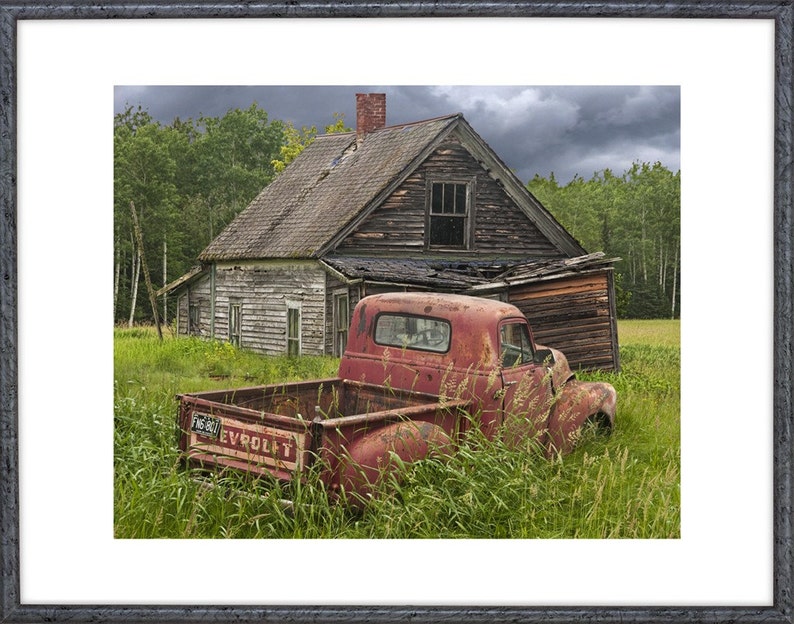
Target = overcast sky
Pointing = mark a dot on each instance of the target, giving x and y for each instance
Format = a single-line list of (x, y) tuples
[(534, 130)]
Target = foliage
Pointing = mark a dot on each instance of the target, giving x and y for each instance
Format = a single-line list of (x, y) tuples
[(187, 180), (296, 141), (635, 217), (230, 163), (623, 486)]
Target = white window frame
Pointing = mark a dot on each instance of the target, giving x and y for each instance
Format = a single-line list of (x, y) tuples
[(236, 338), (294, 307), (467, 216)]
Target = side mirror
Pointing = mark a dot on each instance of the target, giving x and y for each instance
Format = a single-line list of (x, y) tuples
[(543, 357)]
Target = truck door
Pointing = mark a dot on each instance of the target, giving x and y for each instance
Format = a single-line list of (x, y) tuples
[(526, 386)]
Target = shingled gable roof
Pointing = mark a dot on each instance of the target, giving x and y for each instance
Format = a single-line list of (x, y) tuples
[(331, 182), (336, 182)]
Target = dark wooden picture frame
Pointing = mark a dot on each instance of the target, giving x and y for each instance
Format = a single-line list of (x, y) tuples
[(782, 12)]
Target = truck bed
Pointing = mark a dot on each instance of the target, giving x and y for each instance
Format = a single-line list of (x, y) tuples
[(280, 429)]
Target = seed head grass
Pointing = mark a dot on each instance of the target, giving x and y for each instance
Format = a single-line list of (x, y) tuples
[(625, 485)]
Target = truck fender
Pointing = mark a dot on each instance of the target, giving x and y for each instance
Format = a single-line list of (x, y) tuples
[(577, 403), (374, 455)]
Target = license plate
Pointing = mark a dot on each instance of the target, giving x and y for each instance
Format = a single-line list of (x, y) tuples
[(205, 425)]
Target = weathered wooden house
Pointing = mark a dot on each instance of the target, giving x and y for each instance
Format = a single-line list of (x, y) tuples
[(419, 206)]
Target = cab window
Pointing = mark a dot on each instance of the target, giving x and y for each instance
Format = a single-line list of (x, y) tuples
[(515, 348), (412, 332)]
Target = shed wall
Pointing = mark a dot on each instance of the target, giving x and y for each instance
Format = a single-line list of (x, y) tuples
[(575, 315)]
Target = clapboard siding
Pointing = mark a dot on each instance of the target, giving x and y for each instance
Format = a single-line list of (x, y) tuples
[(572, 314), (263, 290), (397, 226)]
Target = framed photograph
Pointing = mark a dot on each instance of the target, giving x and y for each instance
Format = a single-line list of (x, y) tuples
[(731, 65)]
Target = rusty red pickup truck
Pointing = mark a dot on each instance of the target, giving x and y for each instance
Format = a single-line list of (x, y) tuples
[(418, 372)]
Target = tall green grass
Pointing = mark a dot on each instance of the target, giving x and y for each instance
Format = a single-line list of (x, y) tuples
[(623, 486)]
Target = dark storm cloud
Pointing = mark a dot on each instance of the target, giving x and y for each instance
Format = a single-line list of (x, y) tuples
[(535, 130)]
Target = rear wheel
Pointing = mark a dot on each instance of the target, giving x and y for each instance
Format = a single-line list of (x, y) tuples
[(596, 427)]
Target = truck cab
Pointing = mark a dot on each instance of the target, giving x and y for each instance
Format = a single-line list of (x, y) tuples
[(481, 351)]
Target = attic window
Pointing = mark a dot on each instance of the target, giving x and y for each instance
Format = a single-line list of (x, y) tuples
[(448, 215)]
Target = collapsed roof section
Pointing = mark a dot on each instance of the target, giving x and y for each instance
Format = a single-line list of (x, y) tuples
[(458, 276)]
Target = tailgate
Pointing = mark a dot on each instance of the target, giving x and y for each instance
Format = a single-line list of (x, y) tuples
[(214, 434)]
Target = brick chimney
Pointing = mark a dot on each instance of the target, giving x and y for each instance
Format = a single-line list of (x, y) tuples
[(370, 112)]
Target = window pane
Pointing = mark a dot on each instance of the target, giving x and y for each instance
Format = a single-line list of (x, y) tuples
[(460, 199), (342, 312), (449, 199), (447, 231), (412, 332), (293, 331), (234, 323), (193, 318), (437, 198), (516, 348), (341, 323), (292, 322)]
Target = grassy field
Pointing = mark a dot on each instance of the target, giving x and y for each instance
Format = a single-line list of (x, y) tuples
[(624, 486)]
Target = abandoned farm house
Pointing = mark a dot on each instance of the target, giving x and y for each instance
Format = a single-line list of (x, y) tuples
[(419, 206)]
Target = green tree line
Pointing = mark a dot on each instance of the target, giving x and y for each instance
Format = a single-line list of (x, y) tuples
[(636, 217), (188, 179)]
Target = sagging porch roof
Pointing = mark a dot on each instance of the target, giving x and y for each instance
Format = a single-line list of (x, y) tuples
[(461, 275)]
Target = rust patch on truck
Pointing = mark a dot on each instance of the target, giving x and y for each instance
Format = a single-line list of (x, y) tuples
[(371, 458), (362, 319)]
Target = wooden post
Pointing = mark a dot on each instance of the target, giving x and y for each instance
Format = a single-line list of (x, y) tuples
[(147, 277)]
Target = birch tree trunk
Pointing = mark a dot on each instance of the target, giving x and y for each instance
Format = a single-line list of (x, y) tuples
[(136, 275), (116, 279), (145, 266)]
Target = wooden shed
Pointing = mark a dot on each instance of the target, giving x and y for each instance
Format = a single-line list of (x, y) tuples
[(419, 206)]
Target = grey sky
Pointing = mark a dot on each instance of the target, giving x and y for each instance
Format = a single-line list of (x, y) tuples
[(534, 130)]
